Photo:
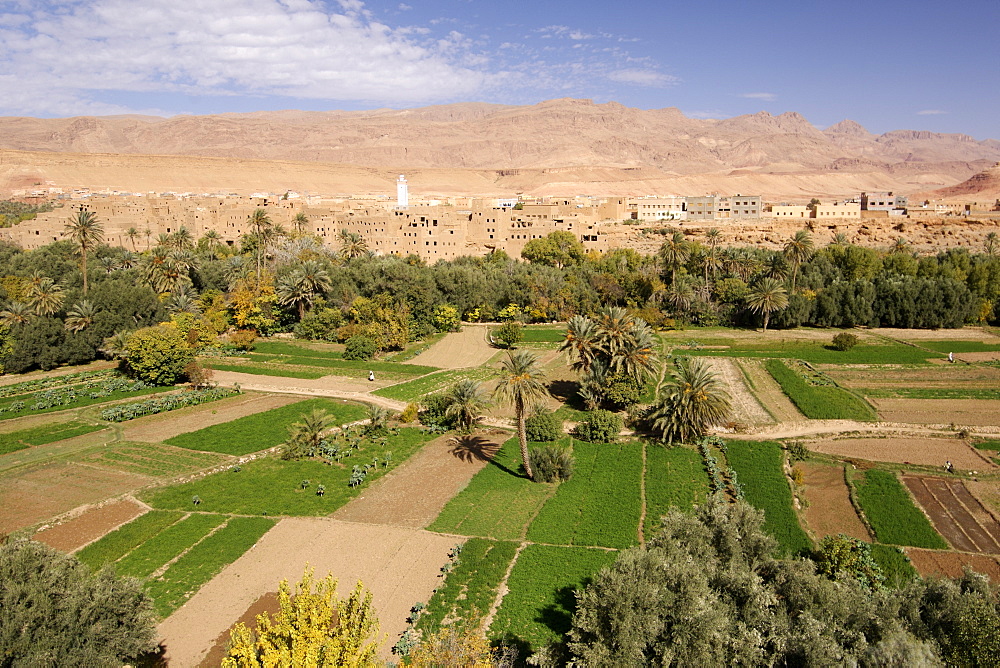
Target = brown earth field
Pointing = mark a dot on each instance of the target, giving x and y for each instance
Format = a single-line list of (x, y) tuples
[(457, 350), (956, 514), (266, 604), (935, 377), (37, 494), (769, 393), (400, 566), (970, 412), (830, 511), (90, 525), (931, 563), (906, 450)]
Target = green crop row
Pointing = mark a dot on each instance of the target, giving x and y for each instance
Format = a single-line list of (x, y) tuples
[(414, 390), (52, 381), (675, 477), (393, 368), (116, 544), (540, 603), (263, 370), (152, 554), (44, 434), (543, 334), (151, 459), (932, 393), (471, 585), (892, 513), (187, 575), (819, 402), (124, 412), (600, 504), (292, 349), (261, 431), (271, 486), (959, 346), (813, 352), (498, 502), (895, 565), (759, 466)]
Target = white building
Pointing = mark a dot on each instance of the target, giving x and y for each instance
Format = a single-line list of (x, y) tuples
[(402, 193)]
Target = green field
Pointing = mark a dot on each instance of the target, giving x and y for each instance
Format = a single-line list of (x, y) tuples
[(819, 402), (675, 477), (498, 502), (814, 352), (416, 389), (932, 393), (271, 486), (759, 468), (293, 349), (152, 459), (543, 334), (540, 604), (116, 544), (946, 347), (261, 370), (261, 431), (471, 585), (204, 561), (894, 564), (600, 504), (152, 554), (892, 513), (44, 434), (988, 444), (80, 402)]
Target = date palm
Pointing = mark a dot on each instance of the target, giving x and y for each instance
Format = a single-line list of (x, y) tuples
[(466, 402), (798, 249), (45, 296), (305, 436), (992, 244), (300, 221), (767, 296), (581, 342), (212, 241), (80, 316), (674, 252), (264, 232), (87, 232), (521, 385), (688, 406), (352, 244), (16, 313), (637, 359), (303, 285), (614, 326)]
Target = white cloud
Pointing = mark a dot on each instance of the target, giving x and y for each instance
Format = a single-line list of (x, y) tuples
[(931, 112), (768, 97), (643, 77), (403, 7), (57, 60)]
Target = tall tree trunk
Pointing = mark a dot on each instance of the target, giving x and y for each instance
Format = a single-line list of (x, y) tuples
[(522, 437), (83, 254)]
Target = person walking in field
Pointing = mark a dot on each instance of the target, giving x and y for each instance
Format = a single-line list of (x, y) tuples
[(371, 375), (951, 357)]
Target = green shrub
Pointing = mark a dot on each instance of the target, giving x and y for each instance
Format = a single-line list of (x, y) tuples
[(157, 355), (600, 427), (434, 411), (622, 391), (409, 413), (243, 339), (543, 428), (510, 333), (551, 463), (845, 341), (360, 347)]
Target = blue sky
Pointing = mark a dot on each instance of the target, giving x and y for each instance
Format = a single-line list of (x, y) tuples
[(927, 65)]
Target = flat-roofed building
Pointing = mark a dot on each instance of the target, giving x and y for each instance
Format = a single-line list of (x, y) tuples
[(790, 211), (844, 210), (661, 208), (701, 208)]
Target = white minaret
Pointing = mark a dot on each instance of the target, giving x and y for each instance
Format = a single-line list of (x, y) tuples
[(402, 195)]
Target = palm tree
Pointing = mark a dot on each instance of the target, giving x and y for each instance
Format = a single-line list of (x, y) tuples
[(303, 285), (798, 249), (776, 266), (16, 313), (991, 243), (110, 264), (305, 436), (637, 359), (300, 221), (675, 252), (767, 296), (45, 297), (692, 403), (212, 241), (264, 231), (839, 239), (182, 302), (182, 239), (614, 325), (680, 295), (115, 346), (80, 316), (582, 338), (352, 244), (132, 234), (521, 384), (900, 246), (466, 402), (87, 232)]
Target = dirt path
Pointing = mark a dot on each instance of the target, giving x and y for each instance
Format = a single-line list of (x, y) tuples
[(746, 408), (156, 428), (956, 514), (830, 511), (400, 566), (459, 350), (327, 386), (413, 494), (768, 393)]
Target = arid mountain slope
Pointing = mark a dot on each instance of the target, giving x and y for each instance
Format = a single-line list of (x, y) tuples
[(982, 186)]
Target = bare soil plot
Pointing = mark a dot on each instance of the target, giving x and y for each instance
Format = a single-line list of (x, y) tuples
[(973, 412), (986, 356), (413, 494), (768, 392), (30, 496), (830, 511), (155, 428), (746, 408), (268, 603), (935, 377), (458, 350), (951, 564), (963, 334), (400, 566), (90, 525), (906, 450), (956, 514)]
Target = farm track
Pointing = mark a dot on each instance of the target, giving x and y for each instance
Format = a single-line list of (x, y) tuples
[(746, 407), (956, 514), (768, 393)]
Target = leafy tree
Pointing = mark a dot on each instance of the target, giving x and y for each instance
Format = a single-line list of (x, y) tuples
[(459, 645), (57, 613), (842, 556), (510, 333), (360, 348), (446, 318), (600, 426), (521, 384), (157, 354), (556, 249), (313, 627), (767, 296), (693, 402), (543, 427), (466, 402), (86, 232)]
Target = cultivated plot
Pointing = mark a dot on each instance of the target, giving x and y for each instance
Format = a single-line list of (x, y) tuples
[(956, 514)]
